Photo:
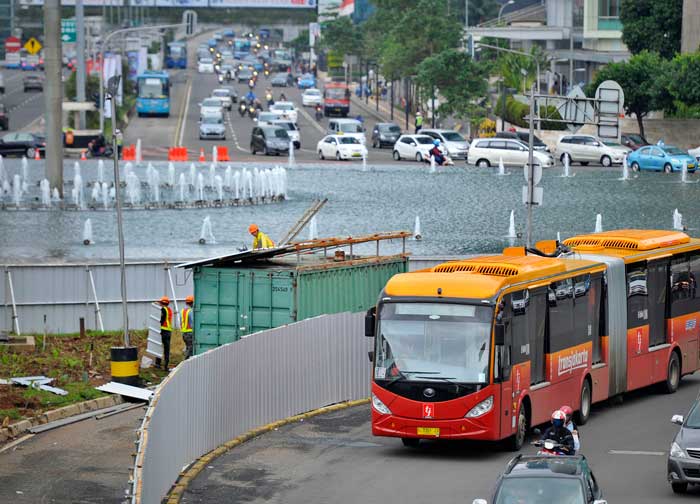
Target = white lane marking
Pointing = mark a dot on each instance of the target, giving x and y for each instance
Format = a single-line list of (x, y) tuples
[(233, 133), (637, 452), (33, 97), (31, 124), (184, 114), (311, 120)]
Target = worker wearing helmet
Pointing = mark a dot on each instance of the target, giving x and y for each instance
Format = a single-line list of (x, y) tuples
[(419, 122), (166, 330), (260, 239), (187, 321), (569, 424), (558, 433)]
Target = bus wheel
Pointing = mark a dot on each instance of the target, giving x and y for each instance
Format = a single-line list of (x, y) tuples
[(410, 442), (673, 377), (581, 416), (517, 440)]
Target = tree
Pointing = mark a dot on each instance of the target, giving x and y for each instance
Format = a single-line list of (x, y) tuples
[(643, 80), (652, 25), (462, 82), (342, 36), (301, 43), (683, 84)]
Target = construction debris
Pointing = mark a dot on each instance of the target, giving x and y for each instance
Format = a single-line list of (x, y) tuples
[(126, 390), (40, 383)]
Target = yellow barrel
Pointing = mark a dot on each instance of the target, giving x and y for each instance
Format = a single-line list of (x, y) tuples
[(125, 365)]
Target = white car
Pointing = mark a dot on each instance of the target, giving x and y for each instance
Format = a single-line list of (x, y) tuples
[(286, 109), (485, 152), (586, 149), (340, 147), (205, 65), (412, 147), (349, 127), (268, 118), (224, 95), (211, 106), (311, 97), (292, 130)]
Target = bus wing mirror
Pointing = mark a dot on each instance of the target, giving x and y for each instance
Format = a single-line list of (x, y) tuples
[(370, 321), (499, 334)]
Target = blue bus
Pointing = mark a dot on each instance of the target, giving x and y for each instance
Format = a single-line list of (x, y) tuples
[(153, 96), (176, 56), (241, 47)]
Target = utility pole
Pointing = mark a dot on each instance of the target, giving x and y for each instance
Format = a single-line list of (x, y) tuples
[(80, 56), (53, 93)]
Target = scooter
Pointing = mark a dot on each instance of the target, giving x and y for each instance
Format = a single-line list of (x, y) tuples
[(220, 78), (550, 447), (105, 151), (242, 108), (319, 113), (447, 162), (252, 111)]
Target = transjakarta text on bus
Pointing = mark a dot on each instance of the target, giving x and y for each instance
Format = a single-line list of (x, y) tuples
[(486, 347)]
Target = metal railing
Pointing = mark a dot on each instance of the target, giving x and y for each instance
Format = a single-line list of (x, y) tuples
[(216, 396)]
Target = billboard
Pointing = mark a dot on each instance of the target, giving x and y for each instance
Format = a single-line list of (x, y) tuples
[(265, 4), (270, 4), (86, 3)]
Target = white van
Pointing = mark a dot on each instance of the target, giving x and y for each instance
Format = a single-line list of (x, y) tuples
[(485, 152), (350, 127)]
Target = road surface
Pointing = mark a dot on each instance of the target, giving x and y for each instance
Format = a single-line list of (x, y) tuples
[(24, 109)]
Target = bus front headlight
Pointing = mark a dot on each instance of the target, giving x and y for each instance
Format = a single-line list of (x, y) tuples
[(481, 409), (378, 405)]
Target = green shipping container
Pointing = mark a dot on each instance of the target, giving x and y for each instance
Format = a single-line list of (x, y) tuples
[(232, 301)]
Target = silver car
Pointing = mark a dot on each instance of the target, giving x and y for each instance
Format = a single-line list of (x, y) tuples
[(212, 127), (225, 96), (457, 146)]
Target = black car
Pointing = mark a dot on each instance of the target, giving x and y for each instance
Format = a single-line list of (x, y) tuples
[(633, 140), (281, 79), (385, 134), (544, 478), (684, 456), (524, 137), (21, 144), (32, 82), (4, 118), (269, 140)]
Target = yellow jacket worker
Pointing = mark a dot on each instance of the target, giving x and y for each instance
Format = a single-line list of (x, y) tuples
[(260, 239)]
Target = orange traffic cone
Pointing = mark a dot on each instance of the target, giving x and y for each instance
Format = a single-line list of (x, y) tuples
[(83, 156), (202, 157), (37, 155)]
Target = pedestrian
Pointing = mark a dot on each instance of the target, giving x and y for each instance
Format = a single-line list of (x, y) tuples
[(166, 330), (120, 142), (419, 121), (187, 321), (260, 239)]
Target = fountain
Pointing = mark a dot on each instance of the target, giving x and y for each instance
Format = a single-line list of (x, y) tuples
[(171, 175), (417, 235), (183, 188), (214, 155), (511, 225), (290, 161), (133, 189), (25, 174), (193, 174), (364, 161), (248, 182), (95, 193), (228, 174), (219, 184), (6, 187), (105, 194), (153, 180), (678, 220), (100, 171), (313, 229), (87, 232), (206, 234), (77, 192), (200, 187), (76, 169), (558, 237), (684, 172), (212, 174), (3, 173), (501, 167), (139, 155), (625, 169), (598, 223), (55, 195), (567, 167), (45, 192), (237, 184), (432, 164)]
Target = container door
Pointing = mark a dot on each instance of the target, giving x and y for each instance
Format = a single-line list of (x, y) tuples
[(216, 322), (269, 300)]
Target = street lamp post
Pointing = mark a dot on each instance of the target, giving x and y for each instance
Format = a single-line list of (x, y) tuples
[(500, 11)]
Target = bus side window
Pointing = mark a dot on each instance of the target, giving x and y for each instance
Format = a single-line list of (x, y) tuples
[(595, 313), (537, 319), (637, 295), (683, 285), (561, 315)]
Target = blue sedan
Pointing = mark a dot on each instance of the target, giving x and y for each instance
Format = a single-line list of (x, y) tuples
[(665, 158), (307, 81)]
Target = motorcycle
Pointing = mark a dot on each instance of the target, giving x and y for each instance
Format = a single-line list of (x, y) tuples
[(220, 78), (251, 83), (242, 108), (551, 447), (447, 160), (252, 111), (319, 113), (105, 151)]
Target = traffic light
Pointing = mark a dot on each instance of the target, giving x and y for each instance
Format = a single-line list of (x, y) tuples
[(189, 19)]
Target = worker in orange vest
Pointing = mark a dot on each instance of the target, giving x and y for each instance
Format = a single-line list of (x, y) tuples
[(166, 330), (187, 321)]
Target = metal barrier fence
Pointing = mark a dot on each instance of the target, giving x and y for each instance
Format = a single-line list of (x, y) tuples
[(66, 292), (219, 395)]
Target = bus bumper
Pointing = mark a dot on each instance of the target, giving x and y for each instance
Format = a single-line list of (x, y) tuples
[(463, 428)]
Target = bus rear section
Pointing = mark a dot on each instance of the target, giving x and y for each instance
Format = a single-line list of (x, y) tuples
[(176, 56), (336, 99), (153, 98), (487, 347)]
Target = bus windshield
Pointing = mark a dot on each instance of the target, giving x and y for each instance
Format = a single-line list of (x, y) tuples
[(153, 88), (336, 94), (433, 341)]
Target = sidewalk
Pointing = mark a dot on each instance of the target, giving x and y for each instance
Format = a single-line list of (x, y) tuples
[(384, 113)]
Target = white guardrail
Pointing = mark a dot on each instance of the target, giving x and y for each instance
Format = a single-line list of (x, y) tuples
[(214, 397)]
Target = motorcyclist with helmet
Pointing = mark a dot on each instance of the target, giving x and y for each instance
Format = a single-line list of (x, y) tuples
[(558, 433), (569, 424), (436, 153)]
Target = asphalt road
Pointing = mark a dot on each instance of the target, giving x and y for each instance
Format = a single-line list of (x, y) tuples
[(24, 109), (85, 462), (334, 458)]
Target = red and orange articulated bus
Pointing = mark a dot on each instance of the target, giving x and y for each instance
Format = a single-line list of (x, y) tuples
[(486, 347)]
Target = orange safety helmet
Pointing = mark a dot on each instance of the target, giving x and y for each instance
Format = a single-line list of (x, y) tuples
[(253, 228), (189, 299), (165, 300)]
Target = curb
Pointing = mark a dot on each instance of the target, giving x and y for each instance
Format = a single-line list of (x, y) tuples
[(16, 429), (193, 470)]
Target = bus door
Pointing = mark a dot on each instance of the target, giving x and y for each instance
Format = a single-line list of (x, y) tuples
[(658, 310)]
